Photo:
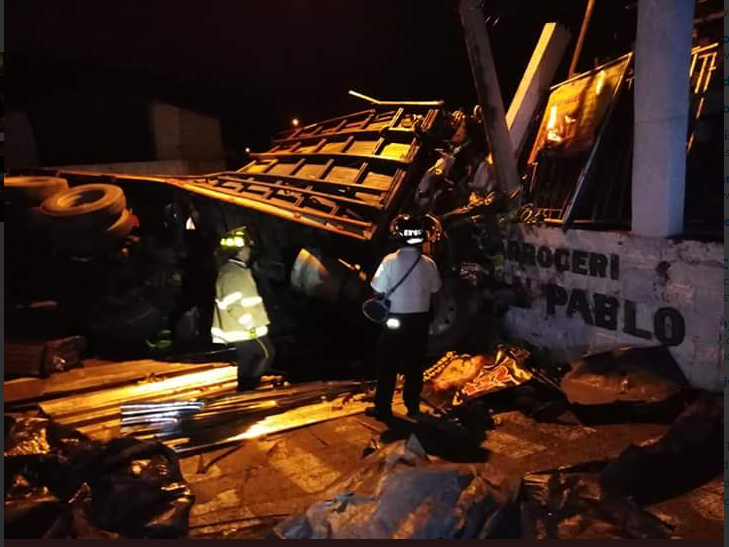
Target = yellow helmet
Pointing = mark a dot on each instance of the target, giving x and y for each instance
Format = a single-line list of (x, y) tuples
[(236, 239)]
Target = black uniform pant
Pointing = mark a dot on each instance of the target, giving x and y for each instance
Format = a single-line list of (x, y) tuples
[(254, 360), (402, 349)]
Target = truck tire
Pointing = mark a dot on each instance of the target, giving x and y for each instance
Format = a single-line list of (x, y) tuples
[(85, 207), (84, 241), (451, 323), (33, 191)]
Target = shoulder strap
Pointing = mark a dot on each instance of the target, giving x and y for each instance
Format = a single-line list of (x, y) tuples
[(389, 293)]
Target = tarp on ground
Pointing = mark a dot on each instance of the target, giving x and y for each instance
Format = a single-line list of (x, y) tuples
[(604, 499), (688, 455), (400, 494), (565, 504)]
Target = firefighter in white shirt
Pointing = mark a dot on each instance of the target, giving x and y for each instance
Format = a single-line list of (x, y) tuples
[(404, 336), (240, 316)]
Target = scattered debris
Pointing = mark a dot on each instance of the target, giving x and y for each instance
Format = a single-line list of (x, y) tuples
[(690, 453), (603, 499), (215, 422), (98, 413), (570, 503), (61, 484), (460, 379)]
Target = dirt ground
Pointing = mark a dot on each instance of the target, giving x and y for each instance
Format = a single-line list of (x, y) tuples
[(244, 491)]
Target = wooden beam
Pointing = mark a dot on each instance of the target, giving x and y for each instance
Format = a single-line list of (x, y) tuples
[(73, 409), (489, 93), (94, 376)]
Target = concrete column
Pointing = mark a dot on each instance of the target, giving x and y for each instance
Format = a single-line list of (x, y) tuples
[(535, 82), (662, 57)]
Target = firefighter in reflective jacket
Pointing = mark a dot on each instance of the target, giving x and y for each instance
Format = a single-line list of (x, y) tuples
[(240, 316)]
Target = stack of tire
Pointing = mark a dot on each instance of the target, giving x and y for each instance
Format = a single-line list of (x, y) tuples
[(25, 194), (82, 219)]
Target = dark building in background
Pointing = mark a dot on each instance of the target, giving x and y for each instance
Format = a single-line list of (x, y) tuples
[(254, 67)]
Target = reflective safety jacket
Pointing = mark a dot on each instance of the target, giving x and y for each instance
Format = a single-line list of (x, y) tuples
[(239, 311)]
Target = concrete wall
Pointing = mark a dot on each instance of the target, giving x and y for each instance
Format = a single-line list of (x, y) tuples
[(184, 134), (184, 142), (594, 291)]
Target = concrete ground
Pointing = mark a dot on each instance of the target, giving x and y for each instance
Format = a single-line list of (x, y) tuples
[(244, 491)]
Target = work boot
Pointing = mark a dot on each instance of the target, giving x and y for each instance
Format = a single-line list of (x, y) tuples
[(378, 414), (247, 384)]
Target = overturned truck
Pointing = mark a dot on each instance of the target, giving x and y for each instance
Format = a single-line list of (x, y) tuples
[(574, 254), (320, 202)]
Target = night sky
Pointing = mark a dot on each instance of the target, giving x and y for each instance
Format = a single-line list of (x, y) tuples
[(257, 64)]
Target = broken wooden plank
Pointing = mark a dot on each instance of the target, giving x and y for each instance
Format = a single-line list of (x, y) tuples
[(67, 409), (108, 426), (95, 375)]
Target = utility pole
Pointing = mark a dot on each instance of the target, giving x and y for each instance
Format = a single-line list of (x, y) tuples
[(581, 40), (489, 93)]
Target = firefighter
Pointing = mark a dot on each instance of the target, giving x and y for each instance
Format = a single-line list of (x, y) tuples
[(240, 316), (404, 336)]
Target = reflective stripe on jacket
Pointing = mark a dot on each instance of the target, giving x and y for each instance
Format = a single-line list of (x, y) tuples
[(239, 311)]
